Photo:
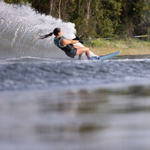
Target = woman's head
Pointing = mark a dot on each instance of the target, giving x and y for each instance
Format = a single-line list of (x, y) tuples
[(56, 32)]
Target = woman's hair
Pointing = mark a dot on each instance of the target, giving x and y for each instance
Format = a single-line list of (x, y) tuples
[(55, 32)]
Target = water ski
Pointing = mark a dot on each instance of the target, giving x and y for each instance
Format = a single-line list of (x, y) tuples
[(104, 57)]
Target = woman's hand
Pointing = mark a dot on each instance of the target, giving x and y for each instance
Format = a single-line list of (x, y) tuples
[(77, 38)]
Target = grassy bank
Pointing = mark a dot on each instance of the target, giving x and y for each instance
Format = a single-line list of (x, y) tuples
[(129, 46)]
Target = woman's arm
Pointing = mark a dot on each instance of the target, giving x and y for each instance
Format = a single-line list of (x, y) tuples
[(65, 42)]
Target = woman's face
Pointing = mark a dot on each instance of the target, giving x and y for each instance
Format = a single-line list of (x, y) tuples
[(60, 33)]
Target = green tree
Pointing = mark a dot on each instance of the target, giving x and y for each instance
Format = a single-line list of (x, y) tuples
[(97, 18)]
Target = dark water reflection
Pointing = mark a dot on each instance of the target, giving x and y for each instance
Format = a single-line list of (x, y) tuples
[(76, 119), (147, 56)]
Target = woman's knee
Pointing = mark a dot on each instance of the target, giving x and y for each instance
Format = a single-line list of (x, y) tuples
[(87, 49)]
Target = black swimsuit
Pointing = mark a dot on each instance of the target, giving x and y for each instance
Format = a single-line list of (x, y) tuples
[(69, 49)]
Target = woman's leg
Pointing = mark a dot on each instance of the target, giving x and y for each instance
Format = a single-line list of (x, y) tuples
[(80, 56), (81, 50)]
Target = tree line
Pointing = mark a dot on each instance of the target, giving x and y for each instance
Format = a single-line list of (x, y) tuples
[(98, 18)]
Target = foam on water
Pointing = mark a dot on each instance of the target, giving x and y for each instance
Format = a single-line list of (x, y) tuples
[(28, 74), (20, 28)]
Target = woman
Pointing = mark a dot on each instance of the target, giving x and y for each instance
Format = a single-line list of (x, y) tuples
[(67, 44)]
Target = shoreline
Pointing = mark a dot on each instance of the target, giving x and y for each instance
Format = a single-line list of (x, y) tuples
[(104, 51), (127, 46)]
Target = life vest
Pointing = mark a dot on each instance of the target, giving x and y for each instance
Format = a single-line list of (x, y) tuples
[(67, 49)]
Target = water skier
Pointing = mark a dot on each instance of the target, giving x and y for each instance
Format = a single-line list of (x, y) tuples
[(67, 46)]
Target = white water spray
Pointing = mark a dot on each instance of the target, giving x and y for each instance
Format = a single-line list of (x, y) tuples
[(20, 28)]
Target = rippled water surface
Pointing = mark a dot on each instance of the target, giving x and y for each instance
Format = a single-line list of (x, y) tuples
[(31, 73), (78, 105)]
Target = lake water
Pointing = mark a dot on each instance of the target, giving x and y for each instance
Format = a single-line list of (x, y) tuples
[(78, 105)]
